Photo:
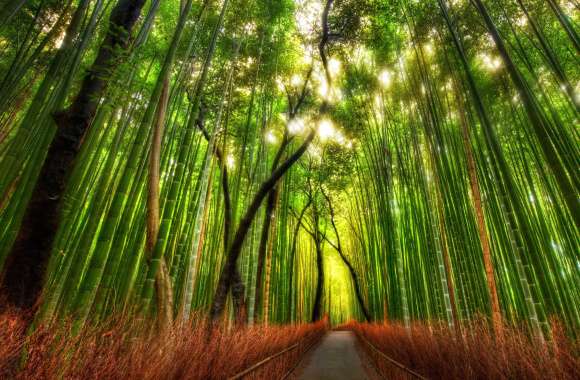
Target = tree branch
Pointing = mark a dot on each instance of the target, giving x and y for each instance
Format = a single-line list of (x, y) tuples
[(300, 222), (200, 123), (338, 248)]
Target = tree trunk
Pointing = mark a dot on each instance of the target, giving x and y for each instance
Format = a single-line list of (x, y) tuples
[(317, 309), (338, 248), (227, 280), (566, 24), (227, 275), (26, 267), (269, 258), (293, 259), (268, 216), (264, 238), (568, 185), (238, 296), (483, 236), (509, 199), (444, 243), (162, 279)]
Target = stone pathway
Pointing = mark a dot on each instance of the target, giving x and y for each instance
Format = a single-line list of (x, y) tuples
[(335, 358)]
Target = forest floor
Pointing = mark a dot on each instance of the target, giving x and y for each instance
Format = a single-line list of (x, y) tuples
[(122, 350), (202, 351), (336, 358)]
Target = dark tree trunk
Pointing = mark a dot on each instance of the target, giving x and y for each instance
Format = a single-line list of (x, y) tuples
[(318, 237), (227, 277), (317, 309), (226, 280), (357, 289), (238, 285), (338, 248), (273, 197), (24, 274), (264, 237), (268, 216)]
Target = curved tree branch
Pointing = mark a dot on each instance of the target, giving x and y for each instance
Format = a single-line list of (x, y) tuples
[(338, 248)]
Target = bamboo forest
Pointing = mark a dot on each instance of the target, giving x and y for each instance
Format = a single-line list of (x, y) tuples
[(289, 189)]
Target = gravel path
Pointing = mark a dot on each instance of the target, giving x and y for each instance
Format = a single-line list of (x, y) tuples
[(335, 358)]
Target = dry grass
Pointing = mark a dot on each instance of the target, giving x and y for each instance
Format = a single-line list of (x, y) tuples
[(435, 353), (199, 352), (117, 352)]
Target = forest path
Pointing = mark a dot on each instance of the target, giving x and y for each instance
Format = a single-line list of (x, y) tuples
[(335, 358)]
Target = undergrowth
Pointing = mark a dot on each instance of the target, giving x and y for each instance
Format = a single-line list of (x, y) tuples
[(117, 351), (437, 353)]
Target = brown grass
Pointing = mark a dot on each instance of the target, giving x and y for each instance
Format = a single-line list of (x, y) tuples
[(117, 352), (435, 353)]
